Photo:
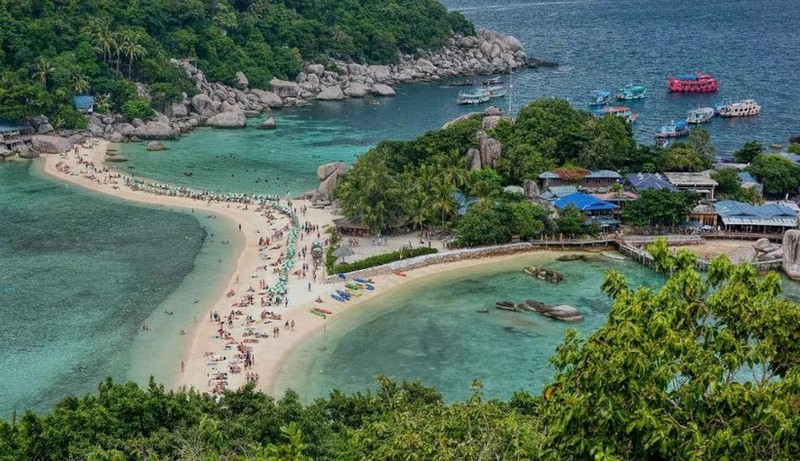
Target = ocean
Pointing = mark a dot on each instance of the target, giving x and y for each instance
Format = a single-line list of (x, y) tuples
[(79, 273)]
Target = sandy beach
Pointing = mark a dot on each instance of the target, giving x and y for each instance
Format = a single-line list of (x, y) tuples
[(215, 357)]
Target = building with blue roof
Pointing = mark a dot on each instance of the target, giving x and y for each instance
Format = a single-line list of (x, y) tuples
[(649, 181), (596, 210), (84, 104), (747, 181), (743, 217)]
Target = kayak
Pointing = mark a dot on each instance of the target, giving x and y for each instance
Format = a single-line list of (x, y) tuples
[(318, 314), (352, 292), (337, 297), (342, 276), (323, 311), (352, 286), (401, 274), (366, 286), (370, 287), (343, 294), (362, 280)]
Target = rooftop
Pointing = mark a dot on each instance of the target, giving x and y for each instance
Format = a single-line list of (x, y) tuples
[(650, 181), (83, 101), (690, 179), (770, 214), (584, 202), (605, 174)]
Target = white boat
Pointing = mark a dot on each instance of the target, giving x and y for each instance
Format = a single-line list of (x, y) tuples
[(700, 115), (473, 97), (613, 256), (495, 91), (744, 108)]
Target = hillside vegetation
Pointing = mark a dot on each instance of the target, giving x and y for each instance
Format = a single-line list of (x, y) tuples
[(704, 368), (53, 49)]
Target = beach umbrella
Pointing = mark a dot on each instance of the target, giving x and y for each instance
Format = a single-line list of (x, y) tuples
[(343, 252)]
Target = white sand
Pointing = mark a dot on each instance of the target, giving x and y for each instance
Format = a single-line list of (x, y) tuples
[(269, 353)]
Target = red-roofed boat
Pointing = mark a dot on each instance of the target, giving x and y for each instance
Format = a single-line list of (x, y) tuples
[(693, 83)]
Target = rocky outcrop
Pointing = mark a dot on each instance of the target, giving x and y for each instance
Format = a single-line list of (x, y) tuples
[(791, 254), (380, 89), (232, 119), (47, 144), (490, 150), (490, 123), (241, 81), (285, 89), (531, 188), (268, 124), (203, 105), (356, 90), (331, 93), (155, 146), (267, 98), (328, 175), (474, 159), (156, 130)]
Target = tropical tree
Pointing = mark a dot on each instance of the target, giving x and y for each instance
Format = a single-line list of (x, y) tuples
[(79, 82), (704, 368), (659, 208), (103, 40), (43, 70), (778, 175), (571, 222), (131, 47), (748, 152), (443, 203)]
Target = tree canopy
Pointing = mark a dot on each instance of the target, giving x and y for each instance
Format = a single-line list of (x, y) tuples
[(52, 49), (778, 175)]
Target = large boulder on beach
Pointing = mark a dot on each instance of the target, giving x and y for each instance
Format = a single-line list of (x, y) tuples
[(268, 98), (331, 93), (379, 73), (791, 254), (47, 144), (356, 90), (328, 175), (203, 105), (233, 119), (379, 89), (156, 130), (285, 89)]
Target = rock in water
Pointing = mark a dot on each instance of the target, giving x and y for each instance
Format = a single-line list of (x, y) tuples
[(50, 144), (762, 245), (227, 120), (155, 146), (268, 98), (380, 89), (269, 124), (564, 313), (285, 89), (156, 130), (791, 254), (356, 90), (331, 93)]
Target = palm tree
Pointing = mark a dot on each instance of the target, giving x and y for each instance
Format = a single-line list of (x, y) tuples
[(79, 83), (131, 47), (44, 67), (104, 40), (443, 203)]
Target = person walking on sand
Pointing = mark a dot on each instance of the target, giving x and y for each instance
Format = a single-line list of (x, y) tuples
[(292, 325), (183, 365)]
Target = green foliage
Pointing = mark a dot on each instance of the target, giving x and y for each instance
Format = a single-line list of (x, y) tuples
[(695, 370), (483, 224), (729, 187), (778, 175), (794, 148), (381, 259), (681, 157), (748, 152), (72, 47), (659, 207), (571, 222), (699, 141), (137, 108)]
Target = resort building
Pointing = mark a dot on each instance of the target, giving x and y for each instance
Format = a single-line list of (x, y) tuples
[(747, 181), (743, 217), (84, 104), (596, 210), (699, 183), (649, 181), (619, 199), (595, 180)]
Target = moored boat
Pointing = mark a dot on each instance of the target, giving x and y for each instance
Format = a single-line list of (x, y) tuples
[(673, 130), (613, 256), (600, 98), (744, 108), (494, 81), (631, 92), (473, 97), (700, 115), (495, 91), (697, 82), (462, 83)]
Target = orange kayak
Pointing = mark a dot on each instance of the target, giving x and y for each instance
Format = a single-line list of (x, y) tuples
[(401, 274)]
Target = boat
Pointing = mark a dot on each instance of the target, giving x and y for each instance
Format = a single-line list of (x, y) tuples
[(494, 81), (613, 256), (462, 83), (343, 294), (369, 287), (620, 111), (323, 311), (337, 297), (570, 257), (352, 286), (630, 92), (362, 280), (342, 276), (372, 102), (700, 115), (697, 82), (401, 274), (744, 108), (632, 118), (600, 98), (544, 274), (482, 311), (495, 91), (473, 97), (673, 130), (353, 292), (318, 314)]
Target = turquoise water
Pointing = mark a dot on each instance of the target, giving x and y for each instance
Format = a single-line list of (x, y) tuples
[(431, 331), (600, 44), (79, 273)]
